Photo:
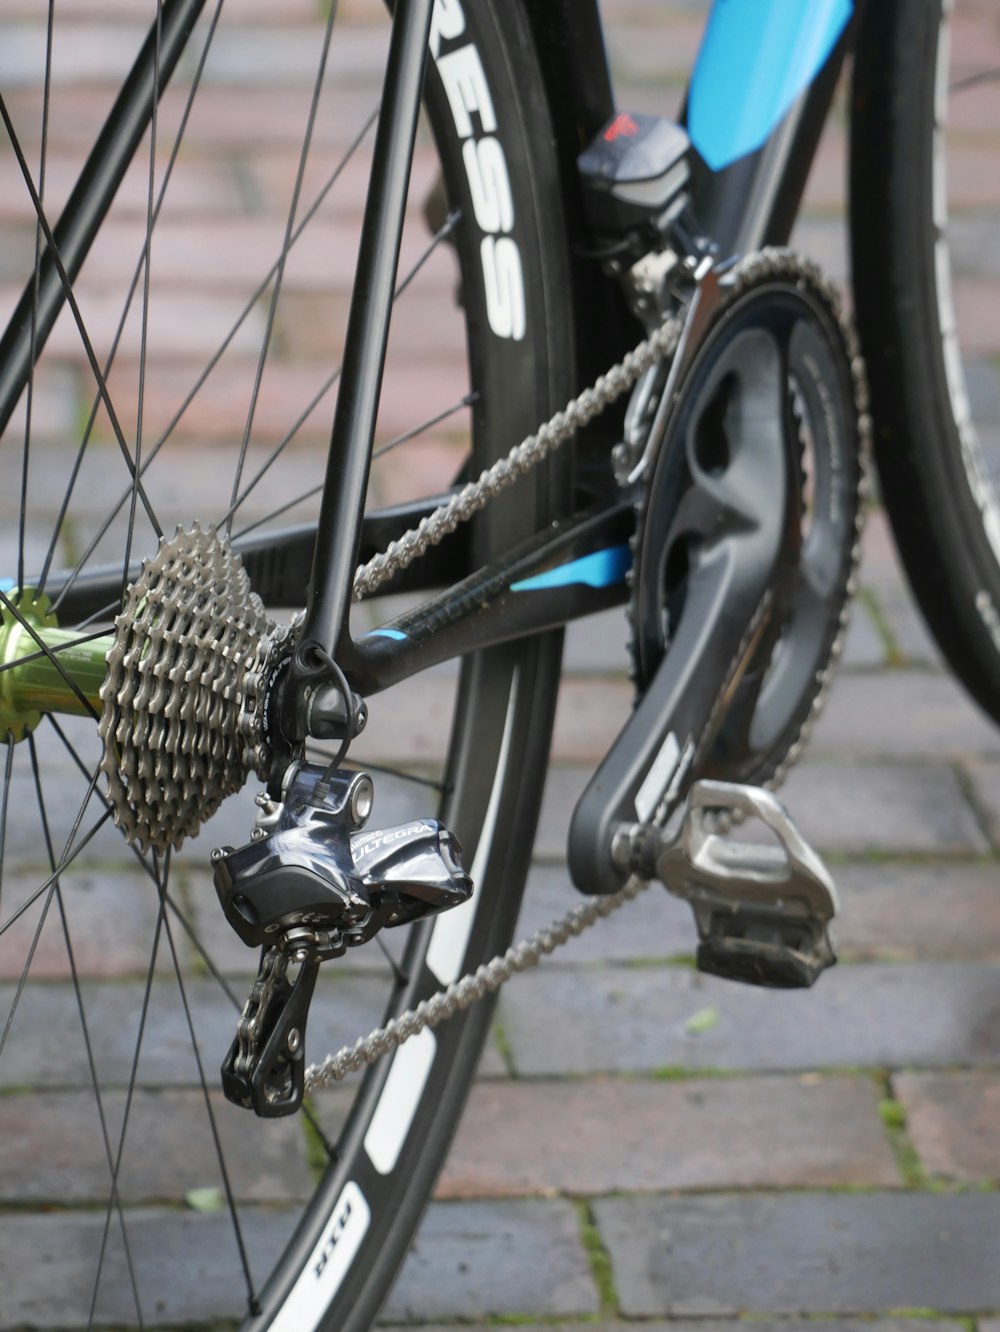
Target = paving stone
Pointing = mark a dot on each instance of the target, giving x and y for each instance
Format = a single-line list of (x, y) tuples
[(864, 646), (474, 1260), (902, 714), (599, 1136), (45, 1047), (883, 578), (731, 1325), (589, 715), (984, 774), (597, 643), (52, 1149), (830, 1254), (187, 1266), (953, 1120), (856, 808), (899, 910), (564, 785), (656, 927), (110, 918), (621, 1019)]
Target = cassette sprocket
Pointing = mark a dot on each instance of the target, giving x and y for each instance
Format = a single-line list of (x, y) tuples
[(189, 642)]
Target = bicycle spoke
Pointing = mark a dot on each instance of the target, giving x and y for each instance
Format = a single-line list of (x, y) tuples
[(399, 975), (217, 357), (276, 513), (75, 309), (442, 233), (443, 788), (51, 651), (4, 800), (220, 1156), (974, 80), (63, 865), (81, 1010), (102, 1117), (167, 900), (144, 319), (130, 295), (129, 1097), (30, 391), (280, 275), (467, 401), (407, 435), (40, 925)]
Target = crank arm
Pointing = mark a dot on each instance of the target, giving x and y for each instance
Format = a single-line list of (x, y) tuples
[(651, 764), (763, 911)]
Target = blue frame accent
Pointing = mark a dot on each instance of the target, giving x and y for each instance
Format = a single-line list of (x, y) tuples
[(756, 59), (395, 634), (603, 568)]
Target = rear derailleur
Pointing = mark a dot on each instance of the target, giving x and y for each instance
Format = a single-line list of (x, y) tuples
[(307, 886)]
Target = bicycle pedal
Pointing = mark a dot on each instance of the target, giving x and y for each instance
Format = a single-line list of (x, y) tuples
[(763, 912)]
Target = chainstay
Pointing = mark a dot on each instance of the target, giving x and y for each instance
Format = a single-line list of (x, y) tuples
[(461, 994)]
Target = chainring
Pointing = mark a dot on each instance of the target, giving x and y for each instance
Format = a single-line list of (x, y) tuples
[(764, 719)]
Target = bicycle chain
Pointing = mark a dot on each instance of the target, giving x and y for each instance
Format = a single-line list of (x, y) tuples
[(490, 976), (273, 967), (434, 527)]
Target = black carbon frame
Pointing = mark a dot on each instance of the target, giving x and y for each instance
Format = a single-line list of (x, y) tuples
[(749, 204)]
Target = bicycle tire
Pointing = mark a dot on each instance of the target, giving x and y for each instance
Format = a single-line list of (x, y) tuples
[(520, 367), (935, 484)]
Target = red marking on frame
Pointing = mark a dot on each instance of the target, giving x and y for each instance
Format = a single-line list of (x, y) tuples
[(622, 127)]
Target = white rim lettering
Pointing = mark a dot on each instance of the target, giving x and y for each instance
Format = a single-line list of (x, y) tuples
[(469, 96), (328, 1263)]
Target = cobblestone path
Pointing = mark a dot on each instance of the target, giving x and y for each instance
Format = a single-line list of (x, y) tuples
[(643, 1142)]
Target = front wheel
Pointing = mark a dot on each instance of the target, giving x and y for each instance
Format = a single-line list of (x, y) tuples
[(925, 211)]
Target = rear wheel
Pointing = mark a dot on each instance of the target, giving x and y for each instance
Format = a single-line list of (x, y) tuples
[(925, 222), (121, 983)]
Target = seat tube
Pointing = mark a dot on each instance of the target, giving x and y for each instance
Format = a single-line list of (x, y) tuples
[(339, 528)]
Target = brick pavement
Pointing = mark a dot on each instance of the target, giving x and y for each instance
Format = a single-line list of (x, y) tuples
[(663, 1148)]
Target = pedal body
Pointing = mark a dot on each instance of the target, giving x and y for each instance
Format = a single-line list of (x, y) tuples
[(763, 912)]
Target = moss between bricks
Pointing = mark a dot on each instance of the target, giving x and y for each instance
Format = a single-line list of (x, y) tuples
[(893, 1116), (502, 1042), (317, 1150), (599, 1260)]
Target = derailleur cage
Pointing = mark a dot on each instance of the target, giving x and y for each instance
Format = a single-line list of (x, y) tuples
[(307, 886)]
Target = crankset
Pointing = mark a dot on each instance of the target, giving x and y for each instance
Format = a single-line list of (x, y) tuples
[(748, 506)]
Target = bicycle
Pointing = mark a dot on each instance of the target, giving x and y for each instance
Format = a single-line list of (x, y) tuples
[(546, 302)]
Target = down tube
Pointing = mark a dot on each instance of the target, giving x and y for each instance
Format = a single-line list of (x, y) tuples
[(759, 95)]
